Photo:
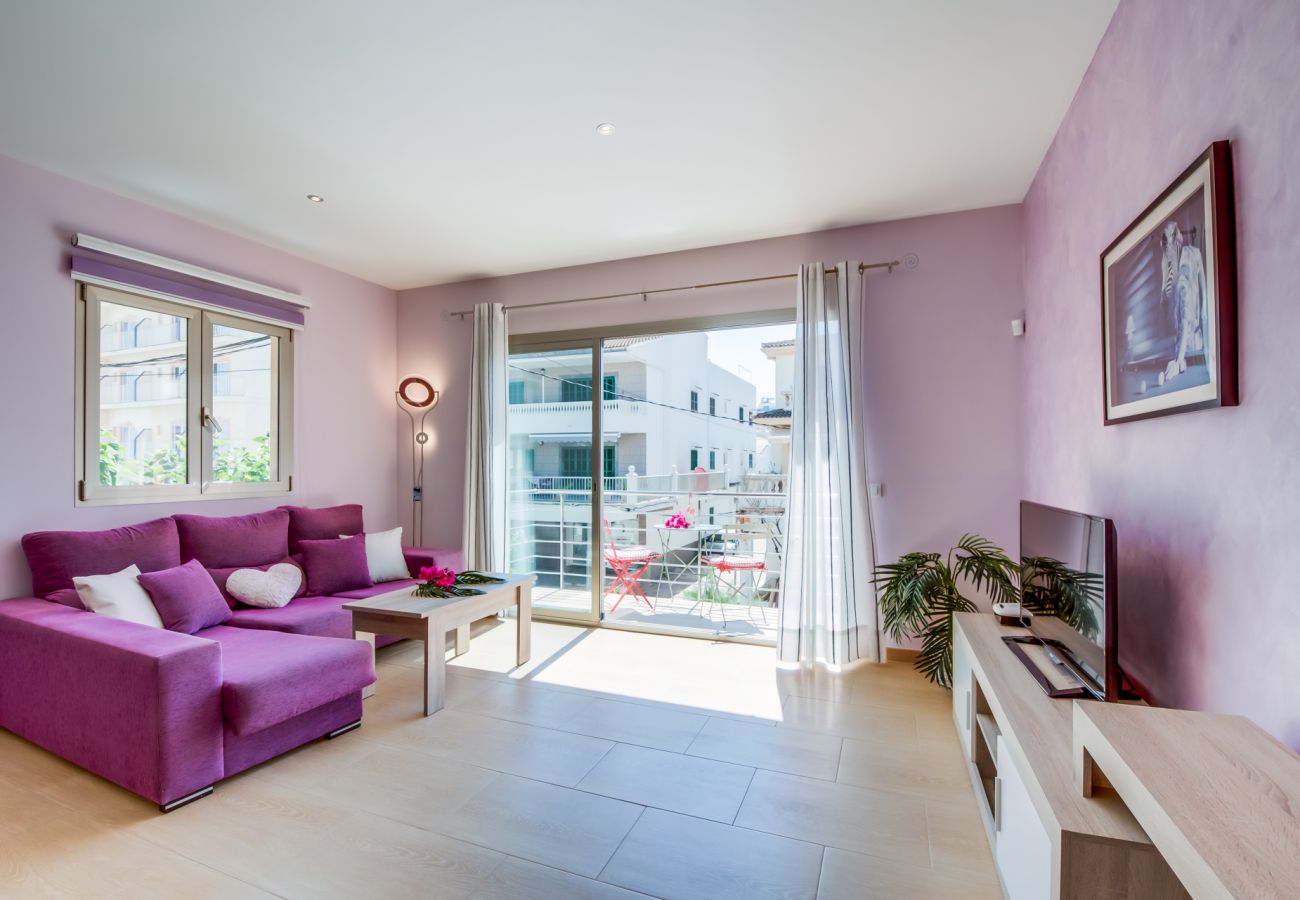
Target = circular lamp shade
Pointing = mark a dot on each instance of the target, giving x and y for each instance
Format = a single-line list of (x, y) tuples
[(417, 392)]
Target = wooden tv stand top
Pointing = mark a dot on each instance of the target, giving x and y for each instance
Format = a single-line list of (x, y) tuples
[(1218, 795), (1037, 730)]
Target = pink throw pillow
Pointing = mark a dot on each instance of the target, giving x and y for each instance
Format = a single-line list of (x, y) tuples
[(324, 523), (336, 566), (186, 597)]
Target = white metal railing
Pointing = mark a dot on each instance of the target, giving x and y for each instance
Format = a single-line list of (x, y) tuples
[(571, 406), (552, 539), (631, 487)]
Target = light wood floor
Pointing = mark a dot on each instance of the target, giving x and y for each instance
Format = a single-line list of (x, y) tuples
[(614, 765), (756, 623)]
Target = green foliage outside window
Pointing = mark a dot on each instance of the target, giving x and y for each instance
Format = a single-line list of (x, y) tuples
[(230, 462)]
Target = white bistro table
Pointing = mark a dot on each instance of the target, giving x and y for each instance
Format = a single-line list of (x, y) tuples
[(401, 614)]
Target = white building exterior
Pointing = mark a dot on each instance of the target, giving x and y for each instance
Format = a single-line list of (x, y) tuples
[(666, 407), (775, 419)]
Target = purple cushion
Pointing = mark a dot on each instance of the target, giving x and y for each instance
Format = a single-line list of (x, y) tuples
[(418, 558), (222, 575), (319, 616), (221, 542), (268, 677), (384, 587), (56, 557), (335, 566), (326, 523), (66, 596), (186, 597)]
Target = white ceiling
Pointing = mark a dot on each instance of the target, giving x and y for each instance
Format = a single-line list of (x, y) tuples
[(453, 140)]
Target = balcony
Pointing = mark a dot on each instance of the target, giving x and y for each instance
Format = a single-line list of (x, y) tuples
[(628, 489), (688, 587), (575, 416)]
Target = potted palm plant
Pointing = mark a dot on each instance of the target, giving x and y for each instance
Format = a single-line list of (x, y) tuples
[(920, 593)]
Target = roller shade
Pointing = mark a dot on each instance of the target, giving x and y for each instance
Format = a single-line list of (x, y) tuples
[(113, 265)]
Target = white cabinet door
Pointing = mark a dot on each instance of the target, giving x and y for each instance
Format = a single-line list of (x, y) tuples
[(1021, 845), (961, 688)]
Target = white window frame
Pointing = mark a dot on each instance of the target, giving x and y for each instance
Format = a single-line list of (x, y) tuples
[(198, 393)]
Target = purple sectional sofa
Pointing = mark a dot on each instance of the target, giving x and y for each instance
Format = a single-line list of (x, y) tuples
[(167, 714)]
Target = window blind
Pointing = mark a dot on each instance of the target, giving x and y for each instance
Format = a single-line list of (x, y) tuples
[(113, 265)]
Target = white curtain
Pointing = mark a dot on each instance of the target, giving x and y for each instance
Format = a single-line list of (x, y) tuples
[(828, 601), (485, 469)]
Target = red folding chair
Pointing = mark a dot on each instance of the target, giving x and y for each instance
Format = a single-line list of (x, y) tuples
[(730, 564), (628, 564)]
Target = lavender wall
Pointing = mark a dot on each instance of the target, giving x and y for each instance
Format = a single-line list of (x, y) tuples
[(1207, 504), (942, 364), (345, 443)]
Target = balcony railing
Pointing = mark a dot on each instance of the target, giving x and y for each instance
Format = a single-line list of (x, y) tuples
[(635, 407), (556, 544), (631, 489)]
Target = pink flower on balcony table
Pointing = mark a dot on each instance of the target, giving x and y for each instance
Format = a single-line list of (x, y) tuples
[(439, 577), (677, 520)]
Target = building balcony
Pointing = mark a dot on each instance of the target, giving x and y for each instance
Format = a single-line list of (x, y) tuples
[(559, 416)]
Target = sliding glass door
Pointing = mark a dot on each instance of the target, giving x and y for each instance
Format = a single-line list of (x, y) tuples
[(552, 503), (655, 500)]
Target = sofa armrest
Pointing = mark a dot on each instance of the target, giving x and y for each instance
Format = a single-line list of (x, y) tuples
[(419, 557), (140, 706), (416, 559)]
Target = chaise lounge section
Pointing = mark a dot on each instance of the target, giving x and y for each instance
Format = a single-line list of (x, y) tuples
[(167, 714)]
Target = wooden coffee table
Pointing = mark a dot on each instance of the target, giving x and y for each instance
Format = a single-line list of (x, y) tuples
[(400, 614)]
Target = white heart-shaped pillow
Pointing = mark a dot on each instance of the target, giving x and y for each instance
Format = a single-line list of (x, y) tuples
[(270, 589)]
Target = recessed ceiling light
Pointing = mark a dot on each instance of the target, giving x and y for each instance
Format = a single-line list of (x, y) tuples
[(315, 198), (604, 129)]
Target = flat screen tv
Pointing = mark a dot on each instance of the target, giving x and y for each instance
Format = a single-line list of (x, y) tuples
[(1067, 562)]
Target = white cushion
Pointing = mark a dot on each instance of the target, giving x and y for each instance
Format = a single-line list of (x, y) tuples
[(384, 555), (118, 596), (268, 589)]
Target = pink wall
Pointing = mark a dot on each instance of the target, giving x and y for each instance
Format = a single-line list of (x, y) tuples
[(345, 369), (942, 365), (1207, 504)]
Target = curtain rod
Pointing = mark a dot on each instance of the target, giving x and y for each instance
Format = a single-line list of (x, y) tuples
[(909, 261)]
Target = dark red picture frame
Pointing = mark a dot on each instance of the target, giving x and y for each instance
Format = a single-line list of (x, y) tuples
[(1222, 305)]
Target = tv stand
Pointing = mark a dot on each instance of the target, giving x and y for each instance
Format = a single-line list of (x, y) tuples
[(1048, 841)]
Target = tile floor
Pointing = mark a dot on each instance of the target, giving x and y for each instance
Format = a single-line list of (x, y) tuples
[(613, 765)]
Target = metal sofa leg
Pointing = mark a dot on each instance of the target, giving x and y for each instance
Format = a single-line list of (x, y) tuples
[(351, 726), (186, 800)]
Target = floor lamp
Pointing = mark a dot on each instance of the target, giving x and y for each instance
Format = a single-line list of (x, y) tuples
[(416, 395)]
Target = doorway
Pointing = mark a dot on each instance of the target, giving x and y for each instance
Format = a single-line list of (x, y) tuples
[(659, 505)]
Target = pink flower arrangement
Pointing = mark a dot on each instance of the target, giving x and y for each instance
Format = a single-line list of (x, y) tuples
[(676, 520), (443, 578)]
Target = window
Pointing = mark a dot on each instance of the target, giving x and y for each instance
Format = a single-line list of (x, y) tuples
[(575, 389), (695, 401), (517, 392), (751, 460), (611, 461), (713, 460), (176, 402), (740, 415), (713, 406), (695, 460), (575, 462)]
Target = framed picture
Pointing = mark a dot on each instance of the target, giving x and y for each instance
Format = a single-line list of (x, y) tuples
[(1169, 300)]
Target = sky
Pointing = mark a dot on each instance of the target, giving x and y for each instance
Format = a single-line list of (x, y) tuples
[(737, 350)]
